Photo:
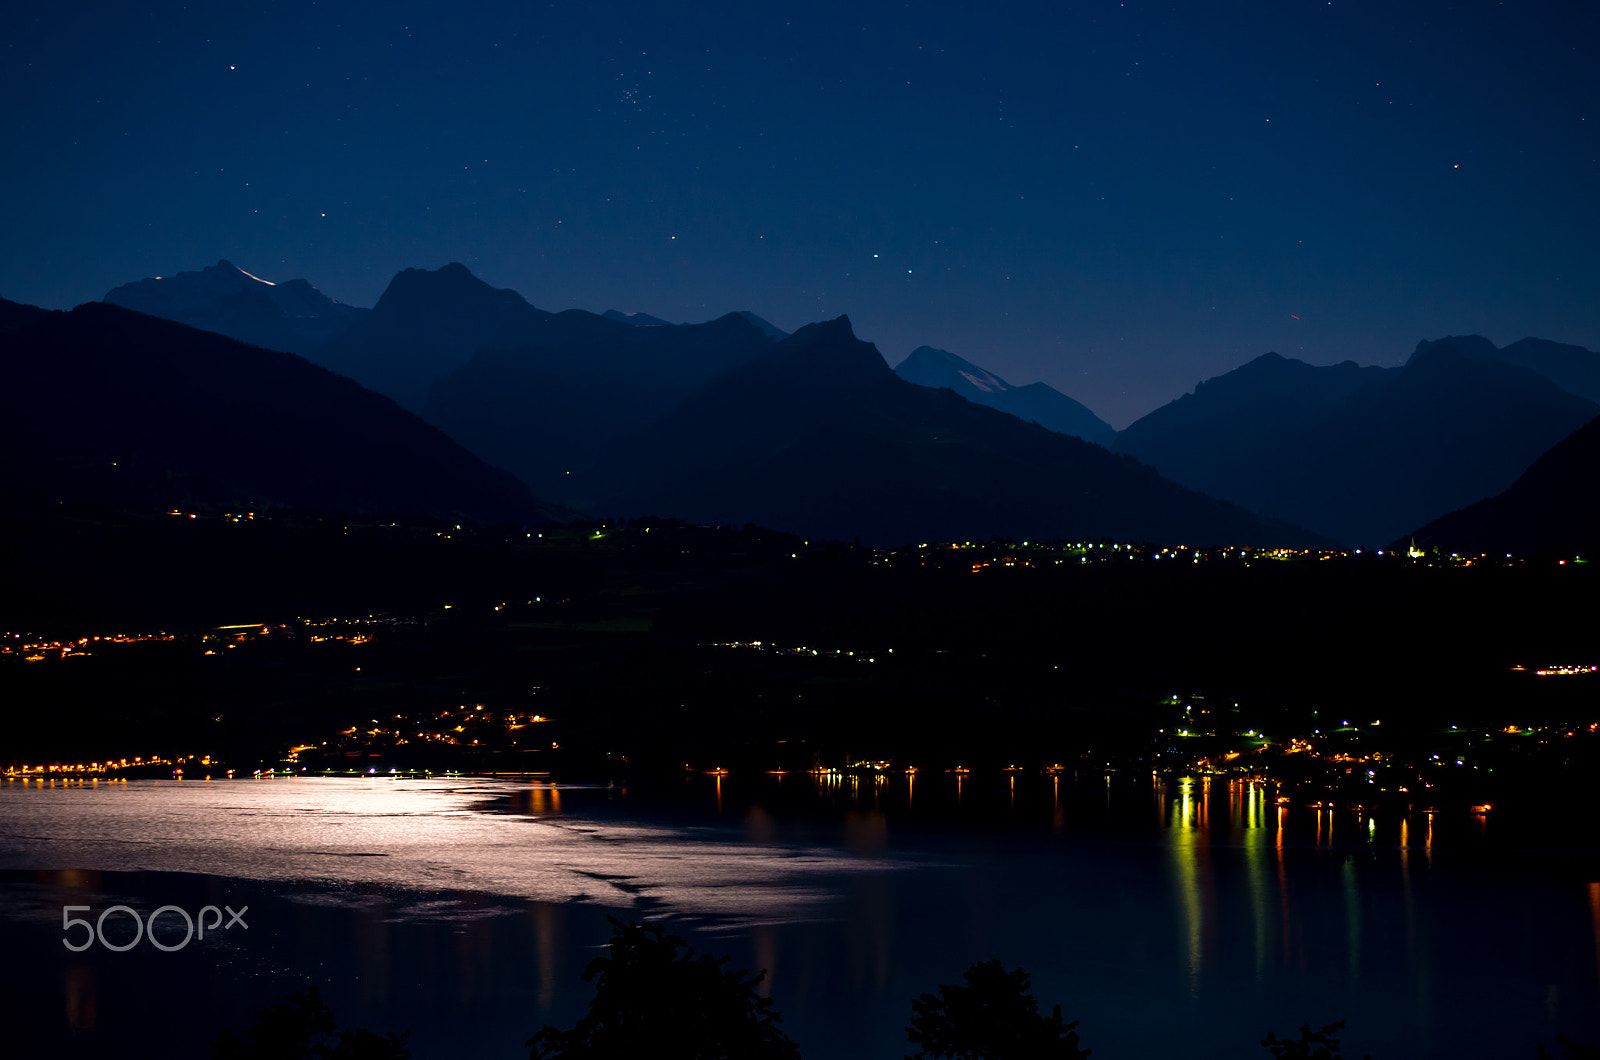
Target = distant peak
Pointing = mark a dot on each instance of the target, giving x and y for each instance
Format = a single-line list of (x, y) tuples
[(453, 281), (638, 320), (1270, 357), (827, 330), (223, 265), (452, 271), (933, 357), (930, 366), (1462, 345), (830, 346), (1275, 363), (933, 353)]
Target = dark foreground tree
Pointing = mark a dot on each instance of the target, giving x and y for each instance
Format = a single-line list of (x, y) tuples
[(1311, 1045), (301, 1027), (992, 1017), (651, 1000)]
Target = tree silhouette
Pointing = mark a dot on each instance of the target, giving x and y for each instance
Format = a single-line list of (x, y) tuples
[(301, 1027), (992, 1017), (1571, 1050), (651, 1000), (1327, 1046)]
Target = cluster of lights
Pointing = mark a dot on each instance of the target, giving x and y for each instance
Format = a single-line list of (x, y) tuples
[(35, 649), (799, 650), (110, 765), (226, 517)]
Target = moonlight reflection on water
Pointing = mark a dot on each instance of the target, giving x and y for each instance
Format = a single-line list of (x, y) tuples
[(416, 834), (1198, 911)]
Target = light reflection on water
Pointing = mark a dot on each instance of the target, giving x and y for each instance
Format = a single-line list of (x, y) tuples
[(419, 834), (1199, 911)]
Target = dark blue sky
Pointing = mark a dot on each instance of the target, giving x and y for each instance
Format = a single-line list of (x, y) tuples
[(1119, 199)]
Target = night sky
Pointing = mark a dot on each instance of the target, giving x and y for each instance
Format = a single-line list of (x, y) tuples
[(1119, 199)]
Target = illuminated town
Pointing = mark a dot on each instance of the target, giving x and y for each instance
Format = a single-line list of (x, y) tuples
[(1303, 748)]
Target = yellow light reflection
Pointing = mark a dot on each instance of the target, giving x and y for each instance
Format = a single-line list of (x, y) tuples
[(1190, 845), (1255, 840)]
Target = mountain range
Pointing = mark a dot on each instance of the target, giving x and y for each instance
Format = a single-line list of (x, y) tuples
[(1363, 455), (425, 326), (1573, 368), (292, 315), (819, 437), (111, 405), (638, 320), (1552, 507), (645, 320), (1035, 403), (574, 382)]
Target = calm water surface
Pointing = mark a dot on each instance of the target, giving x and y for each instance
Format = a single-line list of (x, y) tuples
[(1188, 915)]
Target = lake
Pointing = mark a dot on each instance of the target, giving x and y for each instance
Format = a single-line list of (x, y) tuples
[(1189, 914)]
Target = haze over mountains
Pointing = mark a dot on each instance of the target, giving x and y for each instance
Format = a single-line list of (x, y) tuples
[(578, 404), (126, 409)]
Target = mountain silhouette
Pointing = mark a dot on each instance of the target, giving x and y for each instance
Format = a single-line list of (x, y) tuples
[(1573, 368), (821, 438), (575, 382), (425, 326), (15, 316), (292, 315), (428, 326), (115, 406), (1360, 454), (1220, 438), (1552, 507), (1465, 345), (638, 320), (771, 330), (646, 320), (1036, 402)]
